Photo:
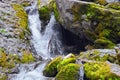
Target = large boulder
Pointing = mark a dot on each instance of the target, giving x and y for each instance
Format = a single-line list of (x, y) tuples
[(99, 24)]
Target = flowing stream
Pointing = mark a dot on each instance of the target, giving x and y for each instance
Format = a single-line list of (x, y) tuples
[(47, 45), (41, 44)]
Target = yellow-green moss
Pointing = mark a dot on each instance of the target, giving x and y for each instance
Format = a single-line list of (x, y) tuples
[(22, 15), (44, 13), (99, 71), (51, 69), (69, 72), (65, 62), (97, 56), (46, 10), (107, 23), (27, 57), (115, 5), (104, 43), (6, 61)]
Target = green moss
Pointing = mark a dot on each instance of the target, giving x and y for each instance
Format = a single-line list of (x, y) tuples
[(105, 33), (51, 69), (8, 60), (46, 10), (27, 57), (22, 20), (97, 56), (22, 15), (65, 62), (69, 72), (106, 21), (115, 6), (99, 71), (104, 43), (44, 13), (56, 13)]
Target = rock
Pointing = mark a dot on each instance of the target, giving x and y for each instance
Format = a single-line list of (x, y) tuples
[(69, 56), (99, 55), (69, 72), (95, 22), (51, 68), (102, 70)]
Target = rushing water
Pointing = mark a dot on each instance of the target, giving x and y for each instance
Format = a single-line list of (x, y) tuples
[(41, 44), (46, 44)]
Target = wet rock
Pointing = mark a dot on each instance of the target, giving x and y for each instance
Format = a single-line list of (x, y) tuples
[(97, 23)]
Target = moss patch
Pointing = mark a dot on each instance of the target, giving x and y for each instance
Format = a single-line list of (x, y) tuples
[(51, 69), (69, 72), (22, 15), (27, 57), (65, 62), (104, 43), (22, 23), (99, 71), (104, 22)]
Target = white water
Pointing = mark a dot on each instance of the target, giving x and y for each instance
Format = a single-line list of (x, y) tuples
[(41, 44), (40, 41), (28, 73)]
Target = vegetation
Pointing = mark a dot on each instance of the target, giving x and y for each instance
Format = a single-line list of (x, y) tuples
[(69, 72), (65, 62), (51, 69), (99, 71), (23, 20), (27, 57)]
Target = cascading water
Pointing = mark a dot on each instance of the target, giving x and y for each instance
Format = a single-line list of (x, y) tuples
[(42, 44)]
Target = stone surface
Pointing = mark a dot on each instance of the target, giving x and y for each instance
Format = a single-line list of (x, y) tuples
[(9, 29), (88, 20)]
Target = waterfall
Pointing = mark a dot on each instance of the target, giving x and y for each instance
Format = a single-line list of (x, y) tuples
[(40, 41), (44, 44)]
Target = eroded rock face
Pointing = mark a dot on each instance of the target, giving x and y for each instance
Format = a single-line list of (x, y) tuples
[(97, 23)]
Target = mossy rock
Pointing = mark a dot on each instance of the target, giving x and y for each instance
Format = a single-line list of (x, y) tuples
[(91, 20), (6, 61), (65, 62), (44, 13), (69, 72), (27, 57), (22, 15), (51, 68), (96, 55), (22, 22), (46, 10), (115, 5), (103, 43), (99, 71)]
